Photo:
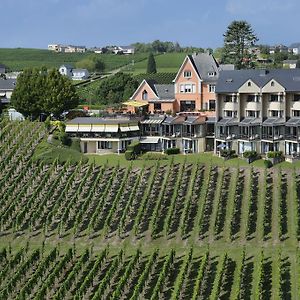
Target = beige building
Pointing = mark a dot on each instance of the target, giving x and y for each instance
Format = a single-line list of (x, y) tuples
[(258, 110)]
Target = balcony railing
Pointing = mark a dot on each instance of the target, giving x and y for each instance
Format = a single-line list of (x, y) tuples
[(273, 137), (250, 137)]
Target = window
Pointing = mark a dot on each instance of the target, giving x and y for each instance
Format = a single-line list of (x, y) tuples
[(296, 97), (251, 98), (187, 105), (230, 113), (187, 88), (211, 88), (230, 98), (276, 113), (272, 83), (187, 74), (145, 95), (249, 83), (104, 145), (157, 106), (212, 105), (211, 74), (253, 113), (275, 98), (296, 113)]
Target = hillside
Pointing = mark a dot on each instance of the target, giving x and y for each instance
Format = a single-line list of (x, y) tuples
[(181, 230), (19, 58)]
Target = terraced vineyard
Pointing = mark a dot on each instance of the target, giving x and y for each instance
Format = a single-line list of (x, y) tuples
[(169, 231)]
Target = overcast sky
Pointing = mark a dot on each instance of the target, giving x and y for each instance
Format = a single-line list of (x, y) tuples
[(37, 23)]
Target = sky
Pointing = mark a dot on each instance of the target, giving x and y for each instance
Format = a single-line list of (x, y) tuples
[(37, 23)]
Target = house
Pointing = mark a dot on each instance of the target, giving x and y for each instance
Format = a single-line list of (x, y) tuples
[(75, 74), (159, 97), (295, 48), (104, 135), (193, 88), (290, 64), (278, 48), (123, 50), (2, 69), (66, 70), (6, 89), (66, 48), (80, 74), (258, 110)]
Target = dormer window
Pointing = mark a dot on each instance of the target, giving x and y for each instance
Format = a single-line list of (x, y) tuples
[(211, 74), (145, 95), (187, 74)]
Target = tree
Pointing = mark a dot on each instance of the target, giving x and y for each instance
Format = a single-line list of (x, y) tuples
[(238, 39), (151, 67), (92, 63), (116, 88), (38, 91)]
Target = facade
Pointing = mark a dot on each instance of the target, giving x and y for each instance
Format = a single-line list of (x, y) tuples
[(258, 110), (6, 89), (193, 88), (109, 135), (155, 133), (123, 50), (295, 48), (75, 74)]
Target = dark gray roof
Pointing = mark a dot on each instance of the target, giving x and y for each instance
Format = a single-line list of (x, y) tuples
[(7, 84), (227, 121), (293, 122), (250, 121), (231, 81), (173, 120), (80, 70), (211, 120), (205, 63), (193, 120), (273, 121), (88, 120), (66, 66), (165, 91)]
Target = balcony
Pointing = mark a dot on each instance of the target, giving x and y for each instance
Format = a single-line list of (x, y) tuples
[(249, 137), (273, 137), (232, 106)]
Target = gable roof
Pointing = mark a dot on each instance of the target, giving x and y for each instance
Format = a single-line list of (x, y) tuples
[(231, 81), (7, 84), (205, 63), (161, 91)]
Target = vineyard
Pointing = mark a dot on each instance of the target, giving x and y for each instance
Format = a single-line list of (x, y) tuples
[(168, 231)]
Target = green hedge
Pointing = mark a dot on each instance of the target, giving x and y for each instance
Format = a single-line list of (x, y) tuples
[(172, 151), (274, 154), (129, 155)]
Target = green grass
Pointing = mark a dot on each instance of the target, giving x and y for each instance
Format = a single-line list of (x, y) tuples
[(169, 63), (17, 59)]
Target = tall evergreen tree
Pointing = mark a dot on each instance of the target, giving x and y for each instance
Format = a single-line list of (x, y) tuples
[(151, 67), (238, 39)]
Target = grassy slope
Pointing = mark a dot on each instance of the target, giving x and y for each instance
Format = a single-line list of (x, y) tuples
[(20, 58)]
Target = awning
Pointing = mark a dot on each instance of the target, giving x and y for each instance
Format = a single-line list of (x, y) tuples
[(227, 121), (273, 121), (124, 128), (250, 121), (293, 122), (98, 128), (136, 103), (152, 121), (111, 128), (150, 140), (134, 128), (85, 128), (71, 128)]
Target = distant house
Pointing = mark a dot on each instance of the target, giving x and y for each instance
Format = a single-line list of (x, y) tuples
[(295, 48), (75, 74), (290, 64), (66, 48), (66, 70), (280, 48), (2, 69), (6, 88), (80, 74), (123, 50)]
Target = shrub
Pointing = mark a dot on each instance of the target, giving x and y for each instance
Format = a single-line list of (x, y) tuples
[(250, 154), (274, 154), (172, 151), (135, 147), (154, 156), (268, 163), (227, 153), (129, 155)]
